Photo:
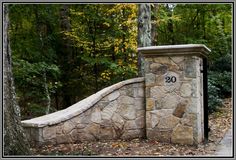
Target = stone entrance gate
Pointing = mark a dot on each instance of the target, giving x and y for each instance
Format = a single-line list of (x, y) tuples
[(165, 104)]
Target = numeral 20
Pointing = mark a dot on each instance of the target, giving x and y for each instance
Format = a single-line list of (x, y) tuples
[(170, 79)]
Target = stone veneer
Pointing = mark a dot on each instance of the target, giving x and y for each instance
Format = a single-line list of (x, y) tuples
[(116, 112), (153, 106), (174, 93)]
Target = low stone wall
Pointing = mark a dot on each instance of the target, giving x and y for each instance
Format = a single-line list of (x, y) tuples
[(116, 112)]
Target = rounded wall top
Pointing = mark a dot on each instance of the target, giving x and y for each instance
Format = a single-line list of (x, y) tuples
[(187, 49)]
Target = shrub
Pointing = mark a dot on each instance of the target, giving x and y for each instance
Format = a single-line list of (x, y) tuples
[(221, 80), (222, 64), (219, 87), (214, 101)]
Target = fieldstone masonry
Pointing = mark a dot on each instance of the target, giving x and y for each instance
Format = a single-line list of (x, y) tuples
[(166, 104), (174, 93), (116, 112)]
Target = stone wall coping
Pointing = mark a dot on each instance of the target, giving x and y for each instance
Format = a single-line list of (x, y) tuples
[(186, 49), (77, 108)]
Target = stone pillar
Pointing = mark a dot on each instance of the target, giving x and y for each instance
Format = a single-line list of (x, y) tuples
[(174, 92)]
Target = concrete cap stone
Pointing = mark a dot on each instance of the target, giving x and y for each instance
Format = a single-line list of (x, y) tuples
[(168, 50)]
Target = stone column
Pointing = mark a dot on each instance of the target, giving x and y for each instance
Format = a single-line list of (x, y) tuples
[(174, 92)]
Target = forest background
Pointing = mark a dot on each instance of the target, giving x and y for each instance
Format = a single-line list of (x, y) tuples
[(63, 53)]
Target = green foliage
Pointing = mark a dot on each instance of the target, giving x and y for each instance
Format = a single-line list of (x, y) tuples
[(209, 24), (30, 85), (221, 80), (86, 47), (121, 72), (219, 87), (81, 49), (106, 38), (34, 110), (214, 101), (222, 64), (33, 43)]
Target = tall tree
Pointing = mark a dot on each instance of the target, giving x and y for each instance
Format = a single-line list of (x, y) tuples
[(65, 59), (154, 24), (42, 29), (144, 25), (144, 31), (170, 25), (15, 142)]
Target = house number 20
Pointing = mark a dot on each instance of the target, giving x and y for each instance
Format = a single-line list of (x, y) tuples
[(170, 79)]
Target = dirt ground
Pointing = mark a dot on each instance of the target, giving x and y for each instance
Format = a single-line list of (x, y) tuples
[(219, 123)]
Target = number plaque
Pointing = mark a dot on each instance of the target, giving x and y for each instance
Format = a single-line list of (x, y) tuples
[(170, 79)]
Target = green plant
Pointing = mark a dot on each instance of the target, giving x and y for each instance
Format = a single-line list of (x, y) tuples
[(222, 64), (221, 80), (219, 87), (214, 101)]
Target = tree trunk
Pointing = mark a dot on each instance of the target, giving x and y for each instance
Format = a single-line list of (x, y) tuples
[(154, 25), (65, 57), (144, 31), (144, 25), (15, 142), (41, 34), (124, 29), (48, 105), (95, 67), (170, 26)]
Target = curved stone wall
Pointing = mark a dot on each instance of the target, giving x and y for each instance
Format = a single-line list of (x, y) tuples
[(116, 112)]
